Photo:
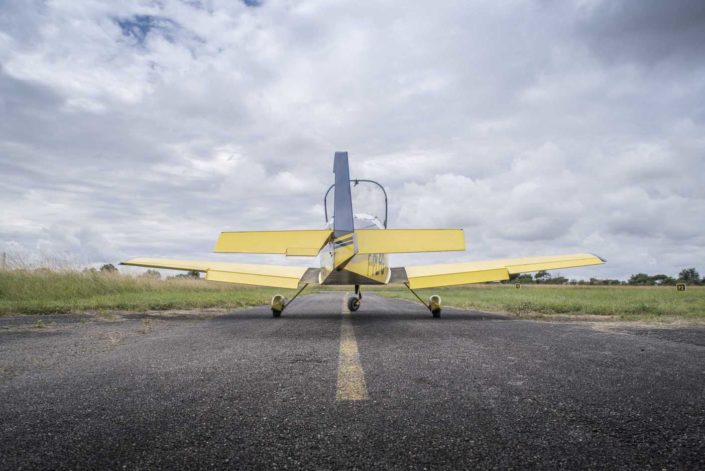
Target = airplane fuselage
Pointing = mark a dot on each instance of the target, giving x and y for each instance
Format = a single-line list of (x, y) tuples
[(360, 269)]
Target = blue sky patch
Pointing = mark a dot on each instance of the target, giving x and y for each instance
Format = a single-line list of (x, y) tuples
[(139, 27)]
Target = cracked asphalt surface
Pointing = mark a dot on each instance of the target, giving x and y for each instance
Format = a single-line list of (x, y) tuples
[(243, 390)]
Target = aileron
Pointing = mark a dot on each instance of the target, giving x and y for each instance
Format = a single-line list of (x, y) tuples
[(429, 276), (277, 276)]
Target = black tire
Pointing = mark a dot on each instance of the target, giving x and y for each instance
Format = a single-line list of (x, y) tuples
[(353, 304), (276, 313), (436, 313)]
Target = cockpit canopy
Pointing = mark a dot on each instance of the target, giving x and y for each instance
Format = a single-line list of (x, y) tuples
[(369, 200)]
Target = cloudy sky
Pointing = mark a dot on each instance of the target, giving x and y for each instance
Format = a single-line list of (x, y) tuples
[(143, 128)]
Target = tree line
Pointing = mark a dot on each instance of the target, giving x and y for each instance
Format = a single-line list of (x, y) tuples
[(109, 268), (689, 276)]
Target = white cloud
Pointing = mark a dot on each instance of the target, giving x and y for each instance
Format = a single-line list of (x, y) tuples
[(143, 128)]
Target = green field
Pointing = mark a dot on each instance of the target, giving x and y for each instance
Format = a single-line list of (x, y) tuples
[(46, 291), (49, 291), (618, 302)]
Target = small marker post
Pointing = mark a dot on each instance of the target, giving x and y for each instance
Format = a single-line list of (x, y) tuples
[(680, 286)]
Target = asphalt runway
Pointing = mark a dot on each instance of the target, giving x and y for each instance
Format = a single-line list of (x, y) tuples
[(385, 387)]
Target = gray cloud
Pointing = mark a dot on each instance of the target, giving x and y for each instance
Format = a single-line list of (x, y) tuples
[(145, 129), (646, 31)]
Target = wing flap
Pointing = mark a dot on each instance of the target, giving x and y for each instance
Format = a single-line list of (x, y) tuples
[(299, 242), (457, 278), (256, 279), (249, 274), (430, 276), (409, 240)]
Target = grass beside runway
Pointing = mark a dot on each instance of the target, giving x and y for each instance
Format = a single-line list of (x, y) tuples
[(620, 302), (48, 291)]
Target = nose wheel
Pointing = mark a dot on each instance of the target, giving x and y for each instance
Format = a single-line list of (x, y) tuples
[(353, 303)]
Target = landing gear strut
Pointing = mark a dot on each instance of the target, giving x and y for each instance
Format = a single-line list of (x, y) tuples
[(434, 302), (354, 301), (279, 302)]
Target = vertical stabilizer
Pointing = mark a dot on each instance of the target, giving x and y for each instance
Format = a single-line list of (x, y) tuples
[(342, 211)]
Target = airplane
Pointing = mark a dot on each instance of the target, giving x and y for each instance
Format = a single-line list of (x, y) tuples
[(354, 249)]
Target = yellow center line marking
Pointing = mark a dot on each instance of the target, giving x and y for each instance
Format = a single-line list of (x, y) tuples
[(351, 378)]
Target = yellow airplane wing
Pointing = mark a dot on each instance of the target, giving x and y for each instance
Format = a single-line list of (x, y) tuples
[(300, 243), (430, 276), (261, 275)]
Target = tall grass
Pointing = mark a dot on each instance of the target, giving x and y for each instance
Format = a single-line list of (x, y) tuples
[(622, 302), (38, 291)]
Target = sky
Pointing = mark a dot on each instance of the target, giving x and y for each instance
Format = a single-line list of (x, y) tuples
[(144, 128)]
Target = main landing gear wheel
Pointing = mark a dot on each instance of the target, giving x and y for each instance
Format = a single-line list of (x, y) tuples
[(434, 305), (279, 302), (353, 303), (434, 302), (278, 305)]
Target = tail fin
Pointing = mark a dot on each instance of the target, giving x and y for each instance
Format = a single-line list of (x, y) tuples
[(342, 211)]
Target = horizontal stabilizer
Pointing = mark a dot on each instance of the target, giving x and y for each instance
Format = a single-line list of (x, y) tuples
[(306, 243), (409, 240), (276, 276), (430, 276)]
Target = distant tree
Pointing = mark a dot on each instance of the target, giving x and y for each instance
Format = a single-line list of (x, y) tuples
[(689, 276), (640, 279), (557, 280), (663, 280), (542, 277), (90, 271), (520, 278), (108, 268), (191, 274), (524, 278), (154, 274)]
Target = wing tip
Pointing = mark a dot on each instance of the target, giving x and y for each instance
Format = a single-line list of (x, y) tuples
[(131, 261), (601, 259)]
